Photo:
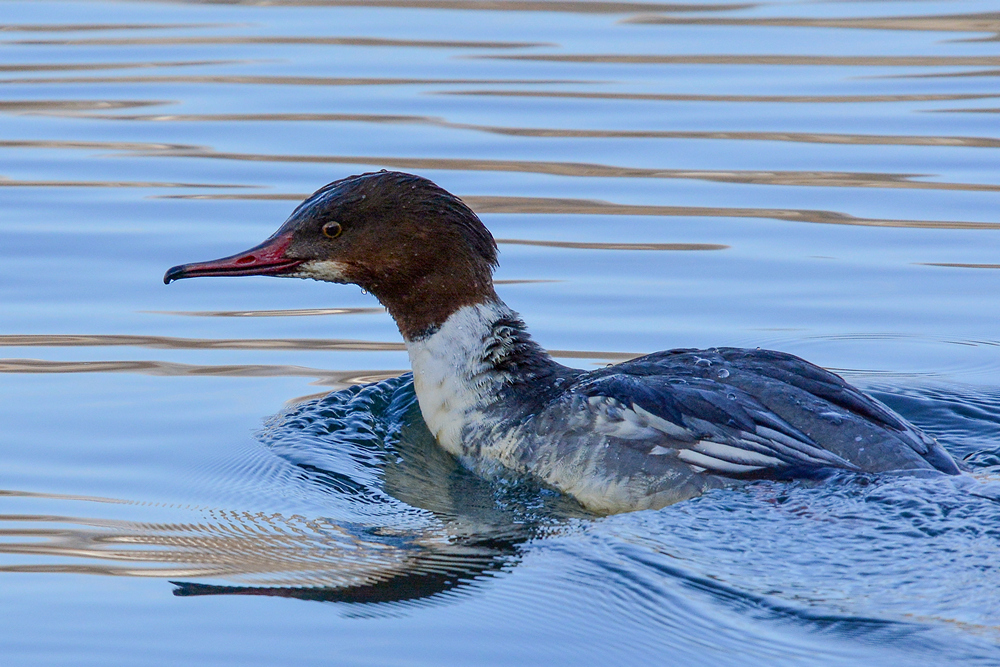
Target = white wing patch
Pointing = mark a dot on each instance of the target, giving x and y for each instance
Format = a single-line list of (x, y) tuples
[(662, 425), (771, 434), (711, 463), (735, 455), (721, 451), (609, 416)]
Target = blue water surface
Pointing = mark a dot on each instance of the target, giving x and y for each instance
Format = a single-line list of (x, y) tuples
[(178, 482)]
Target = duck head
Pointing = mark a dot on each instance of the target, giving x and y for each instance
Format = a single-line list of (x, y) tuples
[(416, 247)]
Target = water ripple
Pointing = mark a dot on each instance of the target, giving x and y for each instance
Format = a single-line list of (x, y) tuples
[(875, 98), (290, 312), (484, 204), (103, 27), (972, 22), (303, 40), (84, 66), (780, 60), (401, 522), (557, 6), (550, 132), (263, 80)]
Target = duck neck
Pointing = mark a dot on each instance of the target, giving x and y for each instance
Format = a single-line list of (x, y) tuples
[(480, 356)]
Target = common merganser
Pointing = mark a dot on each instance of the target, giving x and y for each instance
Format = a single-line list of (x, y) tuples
[(640, 434)]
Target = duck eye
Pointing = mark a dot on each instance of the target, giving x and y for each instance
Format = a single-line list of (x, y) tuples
[(332, 230)]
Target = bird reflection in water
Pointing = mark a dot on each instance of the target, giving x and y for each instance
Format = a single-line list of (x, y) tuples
[(401, 519), (411, 523)]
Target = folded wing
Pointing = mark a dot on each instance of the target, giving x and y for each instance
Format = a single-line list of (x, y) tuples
[(752, 413)]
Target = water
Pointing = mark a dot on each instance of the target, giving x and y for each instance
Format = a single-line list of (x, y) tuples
[(818, 178)]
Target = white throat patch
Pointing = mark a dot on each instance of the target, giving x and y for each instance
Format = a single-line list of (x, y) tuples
[(320, 269)]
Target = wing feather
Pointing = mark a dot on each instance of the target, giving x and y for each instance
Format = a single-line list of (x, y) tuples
[(727, 409), (710, 426)]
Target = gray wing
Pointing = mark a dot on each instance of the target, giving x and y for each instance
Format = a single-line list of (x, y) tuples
[(738, 412)]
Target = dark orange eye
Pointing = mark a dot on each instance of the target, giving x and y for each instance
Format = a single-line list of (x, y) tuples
[(332, 230)]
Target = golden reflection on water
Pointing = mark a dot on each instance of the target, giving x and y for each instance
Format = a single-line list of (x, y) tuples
[(303, 40), (797, 178), (786, 178), (265, 549), (447, 531), (984, 22), (11, 183), (102, 27), (72, 106), (959, 265), (308, 312), (793, 178), (574, 245), (584, 206), (562, 6), (981, 22), (879, 98), (549, 205), (94, 145), (336, 379), (329, 378), (168, 343), (781, 60), (78, 66), (291, 312), (36, 106), (557, 206), (260, 80), (796, 137), (590, 170)]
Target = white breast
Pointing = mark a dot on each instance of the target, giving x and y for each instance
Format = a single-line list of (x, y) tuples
[(451, 378)]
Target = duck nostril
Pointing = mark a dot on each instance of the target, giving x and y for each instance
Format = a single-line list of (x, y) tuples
[(246, 259)]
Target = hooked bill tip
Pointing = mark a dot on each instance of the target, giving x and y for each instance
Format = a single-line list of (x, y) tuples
[(172, 274)]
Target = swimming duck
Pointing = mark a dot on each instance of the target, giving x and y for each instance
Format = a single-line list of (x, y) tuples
[(640, 434)]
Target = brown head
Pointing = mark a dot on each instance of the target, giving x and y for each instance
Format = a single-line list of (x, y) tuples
[(419, 249)]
